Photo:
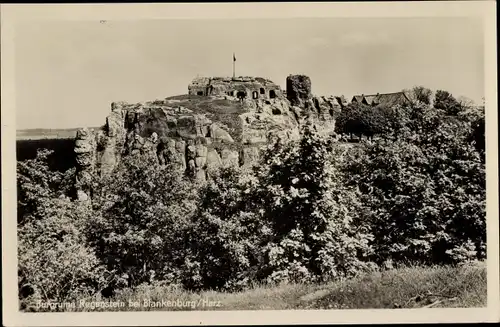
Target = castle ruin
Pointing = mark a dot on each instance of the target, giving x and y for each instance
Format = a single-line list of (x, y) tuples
[(239, 87)]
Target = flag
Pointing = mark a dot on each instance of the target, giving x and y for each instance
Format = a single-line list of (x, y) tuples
[(234, 58)]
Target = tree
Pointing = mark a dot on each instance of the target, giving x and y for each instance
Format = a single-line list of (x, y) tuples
[(55, 262), (424, 191), (227, 234), (350, 120), (466, 103), (36, 183), (317, 226), (360, 119), (445, 101), (141, 214), (419, 96)]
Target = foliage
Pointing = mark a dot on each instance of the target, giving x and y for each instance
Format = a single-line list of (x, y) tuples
[(360, 119), (475, 116), (312, 210), (226, 235), (419, 96), (55, 262), (141, 214), (445, 101), (317, 226), (424, 191), (36, 183), (349, 120), (290, 219)]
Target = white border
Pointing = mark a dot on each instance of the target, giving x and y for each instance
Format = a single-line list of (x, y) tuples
[(15, 13)]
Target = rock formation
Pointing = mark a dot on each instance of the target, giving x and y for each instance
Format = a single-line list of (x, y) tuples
[(85, 149), (196, 133), (298, 89)]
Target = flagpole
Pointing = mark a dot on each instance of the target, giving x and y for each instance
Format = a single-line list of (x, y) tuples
[(234, 61)]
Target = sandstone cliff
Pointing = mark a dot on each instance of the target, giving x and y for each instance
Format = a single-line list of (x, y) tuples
[(198, 132)]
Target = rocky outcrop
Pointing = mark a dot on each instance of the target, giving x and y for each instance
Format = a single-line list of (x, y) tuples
[(325, 110), (196, 134), (85, 151), (219, 134), (298, 89)]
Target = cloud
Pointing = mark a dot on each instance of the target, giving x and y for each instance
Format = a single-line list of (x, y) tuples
[(364, 38)]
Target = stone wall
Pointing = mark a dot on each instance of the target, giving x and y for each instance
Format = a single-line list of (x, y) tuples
[(239, 87)]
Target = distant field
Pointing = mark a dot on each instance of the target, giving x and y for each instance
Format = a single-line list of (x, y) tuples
[(46, 133), (61, 141)]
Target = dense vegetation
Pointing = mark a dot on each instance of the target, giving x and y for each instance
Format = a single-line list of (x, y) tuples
[(312, 211)]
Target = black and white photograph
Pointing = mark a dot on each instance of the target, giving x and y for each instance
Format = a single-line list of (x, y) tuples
[(248, 162)]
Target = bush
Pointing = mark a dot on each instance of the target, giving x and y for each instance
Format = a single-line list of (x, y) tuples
[(424, 191), (142, 212), (317, 223), (36, 183), (360, 119), (227, 234), (55, 263), (445, 101), (291, 219)]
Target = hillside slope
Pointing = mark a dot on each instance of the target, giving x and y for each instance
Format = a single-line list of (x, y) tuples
[(193, 132), (407, 287)]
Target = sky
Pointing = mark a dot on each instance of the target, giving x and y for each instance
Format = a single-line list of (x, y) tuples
[(68, 72)]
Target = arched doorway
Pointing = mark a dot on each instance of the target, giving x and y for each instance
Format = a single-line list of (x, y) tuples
[(241, 94), (262, 91), (255, 95)]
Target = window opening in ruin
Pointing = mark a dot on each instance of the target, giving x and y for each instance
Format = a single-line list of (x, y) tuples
[(241, 94), (272, 94), (199, 93), (255, 95), (262, 91)]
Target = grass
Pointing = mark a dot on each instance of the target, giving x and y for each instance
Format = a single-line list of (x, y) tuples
[(409, 287), (218, 110)]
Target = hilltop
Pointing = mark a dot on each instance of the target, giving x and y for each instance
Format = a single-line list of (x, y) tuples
[(221, 121)]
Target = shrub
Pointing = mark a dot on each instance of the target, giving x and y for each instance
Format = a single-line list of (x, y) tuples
[(226, 235), (360, 119), (142, 212), (317, 223), (36, 183), (444, 100), (55, 263), (425, 191), (290, 219)]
